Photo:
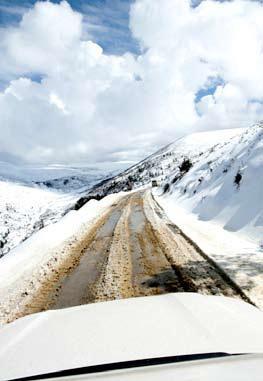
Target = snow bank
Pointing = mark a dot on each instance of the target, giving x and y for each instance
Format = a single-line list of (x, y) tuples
[(40, 247), (211, 238), (224, 217), (238, 256)]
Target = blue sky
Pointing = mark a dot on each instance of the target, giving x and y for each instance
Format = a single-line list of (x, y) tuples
[(210, 88), (106, 21)]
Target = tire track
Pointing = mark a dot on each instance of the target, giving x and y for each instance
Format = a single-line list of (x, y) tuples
[(131, 251), (197, 272), (152, 273)]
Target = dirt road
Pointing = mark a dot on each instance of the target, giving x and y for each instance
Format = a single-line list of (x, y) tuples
[(131, 249), (136, 251)]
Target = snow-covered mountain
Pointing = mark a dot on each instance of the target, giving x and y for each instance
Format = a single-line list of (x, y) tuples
[(163, 165), (62, 178), (225, 183), (217, 175), (32, 197)]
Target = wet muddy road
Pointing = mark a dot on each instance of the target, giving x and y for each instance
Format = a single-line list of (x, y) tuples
[(136, 251)]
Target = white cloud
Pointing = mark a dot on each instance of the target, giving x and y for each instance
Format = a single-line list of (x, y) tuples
[(215, 39), (92, 106), (43, 39), (107, 24), (55, 100)]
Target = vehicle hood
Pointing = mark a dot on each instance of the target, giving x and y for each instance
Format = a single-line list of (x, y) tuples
[(129, 329)]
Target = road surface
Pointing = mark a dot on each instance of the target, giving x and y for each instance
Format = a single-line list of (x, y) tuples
[(136, 251), (131, 250)]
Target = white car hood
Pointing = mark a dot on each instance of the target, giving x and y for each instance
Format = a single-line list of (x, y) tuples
[(130, 329)]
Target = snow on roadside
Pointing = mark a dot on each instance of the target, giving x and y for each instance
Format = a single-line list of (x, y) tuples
[(23, 268), (216, 199), (238, 256)]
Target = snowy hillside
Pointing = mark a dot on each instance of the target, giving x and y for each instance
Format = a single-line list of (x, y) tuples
[(32, 197), (24, 210), (163, 164), (223, 183)]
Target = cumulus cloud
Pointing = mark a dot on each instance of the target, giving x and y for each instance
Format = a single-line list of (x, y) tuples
[(90, 106)]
